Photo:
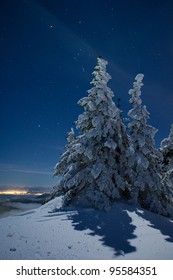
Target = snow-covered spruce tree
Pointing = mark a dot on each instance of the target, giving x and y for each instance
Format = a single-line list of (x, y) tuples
[(167, 164), (167, 151), (144, 158), (62, 165), (93, 165)]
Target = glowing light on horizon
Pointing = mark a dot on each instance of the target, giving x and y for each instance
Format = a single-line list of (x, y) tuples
[(14, 192), (38, 193), (20, 192)]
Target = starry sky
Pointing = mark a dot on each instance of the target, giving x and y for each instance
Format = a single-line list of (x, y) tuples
[(48, 50)]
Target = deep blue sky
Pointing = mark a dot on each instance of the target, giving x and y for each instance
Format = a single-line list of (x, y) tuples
[(48, 52)]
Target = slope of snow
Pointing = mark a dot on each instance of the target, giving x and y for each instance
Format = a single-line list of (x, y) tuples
[(125, 232)]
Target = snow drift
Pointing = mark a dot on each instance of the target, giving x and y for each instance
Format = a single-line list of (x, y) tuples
[(53, 232)]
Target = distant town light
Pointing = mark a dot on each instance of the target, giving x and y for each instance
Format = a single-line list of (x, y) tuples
[(14, 192)]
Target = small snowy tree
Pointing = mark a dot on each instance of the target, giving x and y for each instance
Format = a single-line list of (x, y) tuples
[(167, 151), (144, 158), (93, 167), (167, 165), (62, 167)]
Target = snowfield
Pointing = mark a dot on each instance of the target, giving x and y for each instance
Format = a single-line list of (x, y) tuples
[(52, 232)]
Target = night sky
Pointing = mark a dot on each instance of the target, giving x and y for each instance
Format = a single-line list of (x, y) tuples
[(48, 52)]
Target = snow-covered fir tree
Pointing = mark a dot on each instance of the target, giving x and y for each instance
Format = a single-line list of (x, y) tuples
[(167, 165), (167, 151), (144, 158), (63, 163), (93, 166)]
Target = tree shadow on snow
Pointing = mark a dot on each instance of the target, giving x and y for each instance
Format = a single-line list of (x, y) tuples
[(114, 228), (163, 224)]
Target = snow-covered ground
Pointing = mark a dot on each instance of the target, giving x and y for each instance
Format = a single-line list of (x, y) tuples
[(125, 232)]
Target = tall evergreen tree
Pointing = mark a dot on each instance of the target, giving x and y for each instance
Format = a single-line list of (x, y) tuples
[(93, 165), (144, 158)]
